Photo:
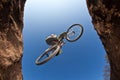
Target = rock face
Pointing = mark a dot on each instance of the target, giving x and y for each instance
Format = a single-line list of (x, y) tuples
[(11, 45), (106, 20)]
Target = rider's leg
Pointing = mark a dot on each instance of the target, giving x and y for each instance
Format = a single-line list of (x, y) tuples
[(59, 52)]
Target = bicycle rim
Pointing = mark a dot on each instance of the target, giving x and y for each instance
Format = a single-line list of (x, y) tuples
[(74, 32), (43, 58)]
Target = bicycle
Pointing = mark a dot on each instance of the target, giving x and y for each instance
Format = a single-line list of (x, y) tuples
[(72, 34)]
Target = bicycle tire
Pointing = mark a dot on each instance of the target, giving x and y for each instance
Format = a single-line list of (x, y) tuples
[(81, 32), (38, 62)]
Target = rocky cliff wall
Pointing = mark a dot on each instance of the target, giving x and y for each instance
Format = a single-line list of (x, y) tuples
[(106, 20), (11, 45)]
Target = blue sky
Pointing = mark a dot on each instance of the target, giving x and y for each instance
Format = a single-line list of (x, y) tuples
[(80, 60)]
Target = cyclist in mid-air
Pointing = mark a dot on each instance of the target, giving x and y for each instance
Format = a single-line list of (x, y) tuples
[(72, 34)]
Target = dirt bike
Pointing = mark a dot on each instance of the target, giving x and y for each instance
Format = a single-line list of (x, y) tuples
[(72, 34)]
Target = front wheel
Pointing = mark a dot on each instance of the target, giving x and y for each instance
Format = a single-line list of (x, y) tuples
[(74, 32), (47, 55)]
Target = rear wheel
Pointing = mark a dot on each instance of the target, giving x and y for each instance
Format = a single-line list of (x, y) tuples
[(47, 55), (74, 32)]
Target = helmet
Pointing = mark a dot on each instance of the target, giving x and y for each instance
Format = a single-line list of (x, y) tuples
[(53, 35)]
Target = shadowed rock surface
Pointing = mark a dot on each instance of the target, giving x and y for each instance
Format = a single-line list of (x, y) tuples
[(11, 45), (106, 20)]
